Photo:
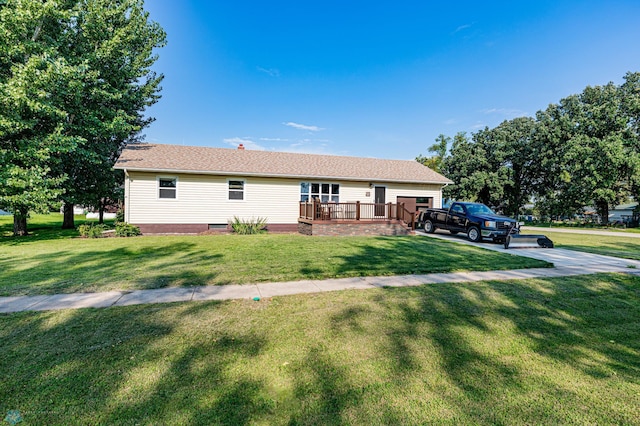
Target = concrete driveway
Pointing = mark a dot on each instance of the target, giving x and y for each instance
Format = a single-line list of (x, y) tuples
[(559, 257)]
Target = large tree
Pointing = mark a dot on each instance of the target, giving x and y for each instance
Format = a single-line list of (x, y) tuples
[(115, 41), (585, 150), (473, 166), (513, 151), (33, 126), (597, 159), (98, 54), (630, 98)]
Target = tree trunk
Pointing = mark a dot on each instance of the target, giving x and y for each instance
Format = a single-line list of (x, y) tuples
[(67, 222), (603, 211), (20, 223), (101, 212)]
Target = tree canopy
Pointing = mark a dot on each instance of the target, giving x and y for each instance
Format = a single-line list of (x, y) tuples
[(584, 150), (75, 80)]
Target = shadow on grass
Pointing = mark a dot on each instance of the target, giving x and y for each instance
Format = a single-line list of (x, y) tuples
[(157, 262), (158, 266), (415, 255), (567, 324), (489, 353), (141, 375)]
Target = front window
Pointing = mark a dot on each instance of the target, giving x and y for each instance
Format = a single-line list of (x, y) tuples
[(323, 192), (479, 209), (236, 190), (167, 187)]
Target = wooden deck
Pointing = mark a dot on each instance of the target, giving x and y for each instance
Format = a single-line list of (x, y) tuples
[(328, 212)]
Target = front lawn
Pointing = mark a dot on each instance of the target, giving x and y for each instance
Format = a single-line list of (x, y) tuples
[(56, 262), (543, 351)]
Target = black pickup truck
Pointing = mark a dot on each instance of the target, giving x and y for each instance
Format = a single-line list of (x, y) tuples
[(474, 219)]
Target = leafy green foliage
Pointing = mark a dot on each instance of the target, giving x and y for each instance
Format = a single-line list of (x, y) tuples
[(585, 150), (248, 226), (124, 229), (75, 80), (34, 127), (92, 230), (599, 153), (436, 162), (115, 40), (474, 169)]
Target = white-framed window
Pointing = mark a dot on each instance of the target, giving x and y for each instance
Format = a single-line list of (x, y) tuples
[(324, 192), (236, 190), (168, 188)]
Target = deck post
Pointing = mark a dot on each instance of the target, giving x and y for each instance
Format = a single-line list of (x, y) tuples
[(357, 210)]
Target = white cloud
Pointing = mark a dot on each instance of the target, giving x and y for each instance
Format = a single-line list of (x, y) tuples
[(479, 125), (248, 143), (274, 140), (450, 121), (462, 27), (312, 146), (303, 126), (273, 72)]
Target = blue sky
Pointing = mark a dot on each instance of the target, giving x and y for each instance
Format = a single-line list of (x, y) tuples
[(376, 79)]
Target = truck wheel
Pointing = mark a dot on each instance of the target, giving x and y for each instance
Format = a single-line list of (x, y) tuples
[(429, 227), (474, 234)]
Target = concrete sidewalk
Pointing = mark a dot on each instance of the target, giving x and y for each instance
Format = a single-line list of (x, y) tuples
[(250, 291), (566, 263)]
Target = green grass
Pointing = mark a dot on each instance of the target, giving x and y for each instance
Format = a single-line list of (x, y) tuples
[(543, 351), (52, 261), (617, 246), (594, 227), (45, 226)]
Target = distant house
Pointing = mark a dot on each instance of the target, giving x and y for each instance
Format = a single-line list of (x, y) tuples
[(624, 213), (186, 189)]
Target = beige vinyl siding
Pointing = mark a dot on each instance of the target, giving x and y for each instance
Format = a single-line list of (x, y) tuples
[(357, 191), (204, 199)]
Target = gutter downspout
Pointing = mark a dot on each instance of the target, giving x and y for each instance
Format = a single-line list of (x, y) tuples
[(127, 205)]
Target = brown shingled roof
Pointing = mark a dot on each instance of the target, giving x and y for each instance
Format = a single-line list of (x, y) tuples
[(224, 161)]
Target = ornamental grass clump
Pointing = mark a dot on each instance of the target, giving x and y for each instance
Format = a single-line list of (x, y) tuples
[(248, 226)]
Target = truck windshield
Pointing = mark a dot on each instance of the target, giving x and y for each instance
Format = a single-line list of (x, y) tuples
[(479, 209)]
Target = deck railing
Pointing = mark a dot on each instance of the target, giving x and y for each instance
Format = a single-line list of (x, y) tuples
[(357, 211)]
